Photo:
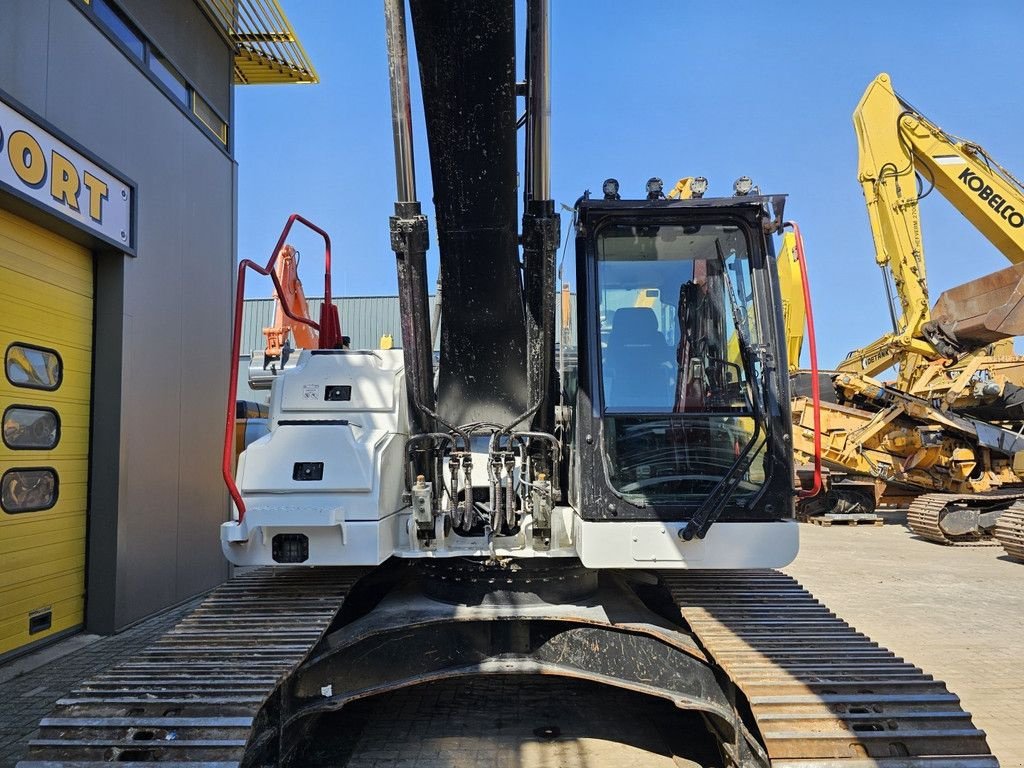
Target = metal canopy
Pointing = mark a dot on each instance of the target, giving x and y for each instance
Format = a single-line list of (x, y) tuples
[(267, 50)]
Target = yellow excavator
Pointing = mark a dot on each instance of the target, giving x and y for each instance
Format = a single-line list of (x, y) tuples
[(946, 431), (898, 146)]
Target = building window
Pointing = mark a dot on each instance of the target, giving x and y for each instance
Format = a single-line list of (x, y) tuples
[(169, 76), (27, 365), (160, 69), (30, 428), (123, 29), (28, 490), (209, 118)]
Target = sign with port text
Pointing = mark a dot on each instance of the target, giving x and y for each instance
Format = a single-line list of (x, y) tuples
[(36, 164)]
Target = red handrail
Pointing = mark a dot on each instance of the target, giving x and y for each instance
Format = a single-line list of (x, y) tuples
[(236, 339), (812, 346)]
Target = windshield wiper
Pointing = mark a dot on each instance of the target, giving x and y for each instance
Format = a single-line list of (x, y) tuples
[(713, 506)]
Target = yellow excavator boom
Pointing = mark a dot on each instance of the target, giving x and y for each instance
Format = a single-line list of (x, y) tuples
[(794, 308), (897, 144)]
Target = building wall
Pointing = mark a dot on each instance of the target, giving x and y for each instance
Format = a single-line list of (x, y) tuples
[(163, 316), (364, 319), (199, 51)]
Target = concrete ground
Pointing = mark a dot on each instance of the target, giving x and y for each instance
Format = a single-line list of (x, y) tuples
[(956, 613)]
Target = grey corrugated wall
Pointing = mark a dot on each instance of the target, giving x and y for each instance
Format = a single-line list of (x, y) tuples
[(363, 318)]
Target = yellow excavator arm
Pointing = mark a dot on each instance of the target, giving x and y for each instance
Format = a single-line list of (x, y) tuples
[(794, 308), (897, 144)]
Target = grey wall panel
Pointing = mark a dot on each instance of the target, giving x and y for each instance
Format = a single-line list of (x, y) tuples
[(150, 150), (173, 346), (151, 394), (24, 28), (87, 80), (105, 484), (183, 33), (206, 314), (148, 521)]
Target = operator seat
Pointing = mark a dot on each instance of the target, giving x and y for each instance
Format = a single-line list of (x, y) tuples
[(636, 374)]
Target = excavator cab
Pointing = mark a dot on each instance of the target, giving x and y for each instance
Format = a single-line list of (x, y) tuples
[(671, 426)]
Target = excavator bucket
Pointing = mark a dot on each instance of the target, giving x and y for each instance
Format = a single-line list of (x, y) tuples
[(984, 310)]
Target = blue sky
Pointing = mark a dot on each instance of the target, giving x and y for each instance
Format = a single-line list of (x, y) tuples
[(670, 89)]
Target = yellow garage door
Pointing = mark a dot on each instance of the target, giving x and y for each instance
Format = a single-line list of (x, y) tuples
[(46, 307)]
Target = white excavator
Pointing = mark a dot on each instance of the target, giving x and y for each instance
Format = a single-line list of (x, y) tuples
[(584, 552)]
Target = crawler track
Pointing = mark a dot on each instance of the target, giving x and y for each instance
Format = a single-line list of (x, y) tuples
[(1010, 531), (821, 693), (207, 694), (925, 514), (192, 698)]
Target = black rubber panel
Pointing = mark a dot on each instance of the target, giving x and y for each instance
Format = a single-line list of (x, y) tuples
[(800, 384), (466, 51)]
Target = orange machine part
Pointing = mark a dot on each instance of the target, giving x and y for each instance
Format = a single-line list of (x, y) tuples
[(303, 336)]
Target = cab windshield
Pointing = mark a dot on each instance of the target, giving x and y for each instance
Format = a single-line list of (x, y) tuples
[(678, 377)]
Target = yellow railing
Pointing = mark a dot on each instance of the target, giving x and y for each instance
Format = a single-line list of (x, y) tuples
[(267, 50)]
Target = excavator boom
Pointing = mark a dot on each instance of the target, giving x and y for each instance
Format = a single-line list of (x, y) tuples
[(900, 150), (794, 308), (285, 330)]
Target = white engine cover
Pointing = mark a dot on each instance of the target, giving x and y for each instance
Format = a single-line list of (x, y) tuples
[(358, 440), (344, 414)]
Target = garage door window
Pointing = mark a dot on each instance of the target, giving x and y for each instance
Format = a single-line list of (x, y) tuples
[(35, 367), (30, 428), (28, 490)]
